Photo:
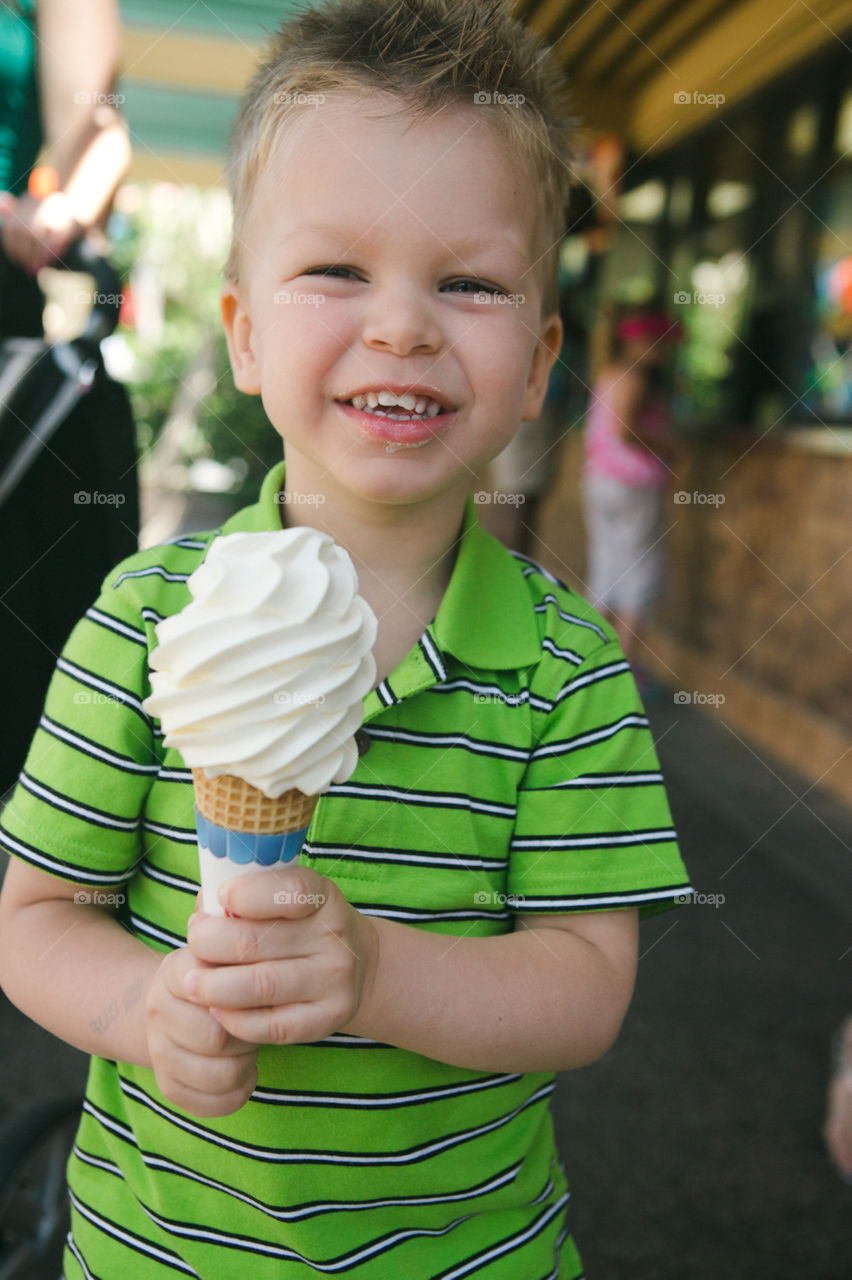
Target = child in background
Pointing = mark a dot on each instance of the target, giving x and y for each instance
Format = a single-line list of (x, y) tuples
[(351, 1073), (629, 464)]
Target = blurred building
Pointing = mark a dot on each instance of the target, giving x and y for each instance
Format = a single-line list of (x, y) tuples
[(716, 152)]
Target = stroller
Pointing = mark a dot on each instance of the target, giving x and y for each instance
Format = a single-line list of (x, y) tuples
[(69, 508), (67, 442)]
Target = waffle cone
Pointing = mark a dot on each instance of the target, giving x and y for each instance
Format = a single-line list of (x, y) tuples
[(231, 803)]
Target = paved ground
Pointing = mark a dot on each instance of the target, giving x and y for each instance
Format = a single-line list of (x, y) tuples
[(694, 1148)]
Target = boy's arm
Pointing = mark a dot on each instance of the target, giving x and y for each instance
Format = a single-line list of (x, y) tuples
[(71, 967), (548, 997)]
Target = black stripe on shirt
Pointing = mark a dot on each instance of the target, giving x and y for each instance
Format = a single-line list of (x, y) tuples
[(65, 868), (282, 1155), (432, 656), (490, 691), (93, 681), (569, 617), (167, 1257), (593, 677), (89, 747), (153, 571), (576, 659), (429, 799), (386, 694), (109, 623), (631, 721), (596, 840), (591, 781), (438, 741), (400, 857), (56, 799), (516, 1241), (577, 902), (384, 1101)]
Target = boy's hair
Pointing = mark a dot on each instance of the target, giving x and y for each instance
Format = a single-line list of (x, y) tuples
[(429, 54)]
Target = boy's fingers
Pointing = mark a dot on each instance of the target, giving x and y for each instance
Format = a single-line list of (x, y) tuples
[(259, 986), (290, 1024), (289, 892), (217, 941)]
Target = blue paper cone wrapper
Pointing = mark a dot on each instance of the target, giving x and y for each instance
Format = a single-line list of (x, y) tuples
[(242, 847)]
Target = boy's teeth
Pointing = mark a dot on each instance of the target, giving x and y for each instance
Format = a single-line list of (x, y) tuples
[(421, 405)]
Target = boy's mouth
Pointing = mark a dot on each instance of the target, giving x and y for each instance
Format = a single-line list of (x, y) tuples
[(398, 418), (407, 407)]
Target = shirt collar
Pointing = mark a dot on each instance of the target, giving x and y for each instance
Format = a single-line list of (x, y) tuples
[(484, 620)]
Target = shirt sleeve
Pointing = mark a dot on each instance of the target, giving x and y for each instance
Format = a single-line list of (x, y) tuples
[(593, 829), (76, 810)]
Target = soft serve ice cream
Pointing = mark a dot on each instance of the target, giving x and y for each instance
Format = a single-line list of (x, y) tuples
[(259, 683), (262, 675)]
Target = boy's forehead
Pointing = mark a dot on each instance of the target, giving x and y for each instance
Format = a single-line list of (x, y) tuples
[(331, 164)]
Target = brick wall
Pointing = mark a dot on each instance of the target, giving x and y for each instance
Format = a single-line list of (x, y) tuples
[(759, 593)]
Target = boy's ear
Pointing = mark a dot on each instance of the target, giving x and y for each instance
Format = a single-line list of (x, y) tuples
[(544, 357), (238, 334)]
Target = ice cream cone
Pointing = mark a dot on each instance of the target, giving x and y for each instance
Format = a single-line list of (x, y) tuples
[(240, 830)]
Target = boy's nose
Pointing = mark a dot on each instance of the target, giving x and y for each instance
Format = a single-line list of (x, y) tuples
[(402, 321)]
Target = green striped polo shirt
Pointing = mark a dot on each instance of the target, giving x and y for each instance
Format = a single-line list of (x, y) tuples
[(509, 768)]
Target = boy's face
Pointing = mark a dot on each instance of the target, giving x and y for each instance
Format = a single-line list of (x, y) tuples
[(382, 255)]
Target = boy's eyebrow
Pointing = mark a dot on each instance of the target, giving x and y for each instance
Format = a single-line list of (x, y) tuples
[(459, 249)]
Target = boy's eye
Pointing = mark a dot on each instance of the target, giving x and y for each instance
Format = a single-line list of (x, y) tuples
[(475, 286), (331, 270)]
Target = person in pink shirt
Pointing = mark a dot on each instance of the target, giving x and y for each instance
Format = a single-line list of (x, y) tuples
[(628, 463)]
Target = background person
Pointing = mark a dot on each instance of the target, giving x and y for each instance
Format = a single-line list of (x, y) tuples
[(58, 65), (629, 455)]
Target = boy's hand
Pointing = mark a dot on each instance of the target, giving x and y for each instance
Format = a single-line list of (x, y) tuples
[(198, 1065), (294, 964)]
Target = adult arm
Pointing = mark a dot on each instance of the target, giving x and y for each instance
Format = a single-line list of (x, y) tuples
[(79, 49)]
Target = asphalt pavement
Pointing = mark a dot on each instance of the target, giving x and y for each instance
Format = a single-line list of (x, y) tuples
[(694, 1148)]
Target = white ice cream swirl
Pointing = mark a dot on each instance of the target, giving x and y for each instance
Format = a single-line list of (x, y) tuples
[(263, 674)]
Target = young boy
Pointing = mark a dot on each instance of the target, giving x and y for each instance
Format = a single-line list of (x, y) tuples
[(350, 1075)]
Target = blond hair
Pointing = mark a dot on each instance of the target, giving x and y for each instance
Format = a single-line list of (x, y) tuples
[(429, 54)]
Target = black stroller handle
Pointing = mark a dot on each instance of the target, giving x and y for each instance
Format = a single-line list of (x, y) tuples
[(106, 301)]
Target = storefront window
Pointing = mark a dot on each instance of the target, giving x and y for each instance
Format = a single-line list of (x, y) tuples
[(828, 381)]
